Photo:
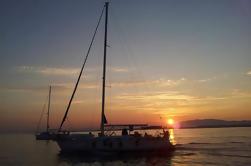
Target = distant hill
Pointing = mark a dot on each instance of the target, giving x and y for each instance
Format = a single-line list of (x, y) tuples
[(211, 123)]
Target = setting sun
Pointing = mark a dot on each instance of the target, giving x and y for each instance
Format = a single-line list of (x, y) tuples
[(170, 121)]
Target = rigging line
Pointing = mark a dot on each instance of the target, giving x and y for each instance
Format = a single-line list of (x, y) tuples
[(69, 124), (48, 113), (75, 88), (41, 115)]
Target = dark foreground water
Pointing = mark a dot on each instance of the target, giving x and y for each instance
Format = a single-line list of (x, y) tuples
[(221, 146)]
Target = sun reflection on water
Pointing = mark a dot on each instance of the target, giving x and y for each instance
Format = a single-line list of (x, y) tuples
[(172, 137)]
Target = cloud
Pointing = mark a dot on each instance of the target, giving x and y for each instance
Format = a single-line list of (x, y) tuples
[(48, 70), (78, 102), (155, 101), (16, 89), (23, 89), (249, 73), (177, 99), (237, 93), (58, 87), (55, 71), (119, 70), (71, 86), (171, 95), (150, 83), (206, 80)]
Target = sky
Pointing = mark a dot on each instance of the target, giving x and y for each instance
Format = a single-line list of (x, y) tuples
[(179, 59)]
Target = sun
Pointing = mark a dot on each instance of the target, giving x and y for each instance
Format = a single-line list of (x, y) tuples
[(170, 121)]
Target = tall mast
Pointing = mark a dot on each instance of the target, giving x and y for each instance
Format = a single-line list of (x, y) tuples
[(48, 113), (81, 71), (104, 72)]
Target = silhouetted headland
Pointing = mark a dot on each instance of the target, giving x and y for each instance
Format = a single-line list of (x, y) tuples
[(214, 123)]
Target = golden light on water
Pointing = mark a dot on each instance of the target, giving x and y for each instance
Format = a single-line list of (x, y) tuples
[(172, 137)]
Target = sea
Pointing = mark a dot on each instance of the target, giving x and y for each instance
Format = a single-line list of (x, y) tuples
[(195, 147)]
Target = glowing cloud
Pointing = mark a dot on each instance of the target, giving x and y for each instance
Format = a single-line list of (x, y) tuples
[(119, 70), (48, 70), (207, 79), (151, 83)]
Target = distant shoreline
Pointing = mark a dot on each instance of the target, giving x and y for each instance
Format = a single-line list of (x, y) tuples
[(199, 127)]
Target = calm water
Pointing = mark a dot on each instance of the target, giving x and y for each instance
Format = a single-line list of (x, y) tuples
[(221, 146)]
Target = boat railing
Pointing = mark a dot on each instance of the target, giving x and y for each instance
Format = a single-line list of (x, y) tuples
[(147, 133)]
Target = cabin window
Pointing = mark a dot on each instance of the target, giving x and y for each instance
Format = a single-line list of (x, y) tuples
[(110, 144), (120, 144), (105, 142), (137, 142), (94, 144)]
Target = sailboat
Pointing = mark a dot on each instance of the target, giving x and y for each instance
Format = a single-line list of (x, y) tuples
[(110, 142), (48, 134)]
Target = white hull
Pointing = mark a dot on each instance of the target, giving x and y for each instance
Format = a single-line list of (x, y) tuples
[(117, 144), (45, 136), (74, 142)]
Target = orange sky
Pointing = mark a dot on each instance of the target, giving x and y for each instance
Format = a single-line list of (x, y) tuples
[(184, 61)]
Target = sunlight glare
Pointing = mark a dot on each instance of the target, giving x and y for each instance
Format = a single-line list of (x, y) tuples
[(170, 121)]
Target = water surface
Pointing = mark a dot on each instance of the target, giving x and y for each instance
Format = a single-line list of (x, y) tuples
[(199, 147)]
